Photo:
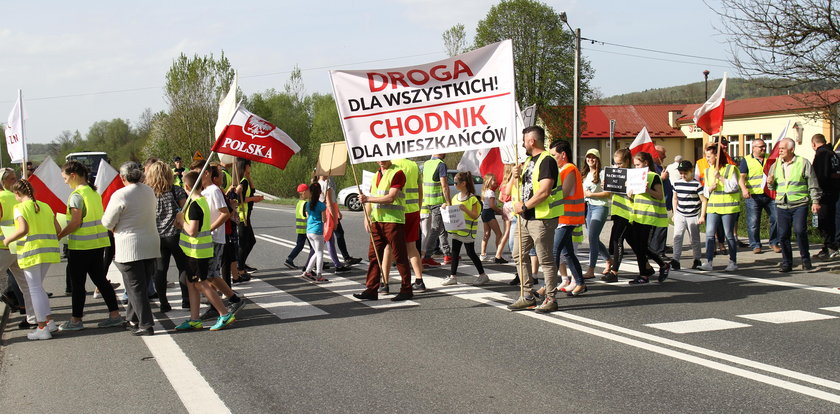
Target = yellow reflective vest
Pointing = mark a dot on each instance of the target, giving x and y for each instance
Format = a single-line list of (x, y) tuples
[(8, 202), (300, 219), (387, 213), (91, 234), (200, 246), (721, 202), (40, 245), (412, 189), (552, 206), (755, 173), (649, 210), (472, 223)]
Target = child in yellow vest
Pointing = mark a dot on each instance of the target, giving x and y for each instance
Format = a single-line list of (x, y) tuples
[(300, 226), (197, 244), (470, 205), (35, 221)]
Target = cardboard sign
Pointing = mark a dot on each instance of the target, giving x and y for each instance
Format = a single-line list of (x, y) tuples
[(367, 181), (453, 218), (332, 160), (619, 180)]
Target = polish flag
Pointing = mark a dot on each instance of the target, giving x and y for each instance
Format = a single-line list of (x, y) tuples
[(251, 137), (483, 161), (643, 143), (709, 117), (107, 182), (49, 186)]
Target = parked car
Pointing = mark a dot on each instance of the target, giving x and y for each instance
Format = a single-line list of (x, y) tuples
[(349, 196)]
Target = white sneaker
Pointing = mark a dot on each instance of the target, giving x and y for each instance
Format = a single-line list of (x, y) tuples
[(450, 280), (481, 280), (39, 333), (731, 267), (706, 266), (51, 325), (482, 257)]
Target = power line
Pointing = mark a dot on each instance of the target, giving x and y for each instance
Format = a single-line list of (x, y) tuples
[(654, 50), (659, 59), (76, 95)]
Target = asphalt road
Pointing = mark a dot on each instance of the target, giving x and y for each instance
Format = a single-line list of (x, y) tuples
[(753, 341)]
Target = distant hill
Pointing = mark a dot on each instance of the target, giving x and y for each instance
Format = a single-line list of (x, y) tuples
[(736, 88)]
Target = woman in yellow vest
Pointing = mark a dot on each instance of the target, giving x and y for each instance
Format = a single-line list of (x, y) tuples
[(724, 194), (246, 190), (86, 242), (35, 221), (470, 206), (648, 212), (622, 219)]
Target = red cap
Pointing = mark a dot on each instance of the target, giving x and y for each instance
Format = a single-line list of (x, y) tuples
[(302, 187)]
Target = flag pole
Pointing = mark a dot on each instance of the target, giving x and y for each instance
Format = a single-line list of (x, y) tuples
[(207, 161), (23, 135), (519, 223)]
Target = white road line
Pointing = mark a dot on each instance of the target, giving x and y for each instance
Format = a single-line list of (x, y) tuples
[(281, 210), (484, 296), (697, 325), (194, 391), (832, 309), (790, 316), (278, 302)]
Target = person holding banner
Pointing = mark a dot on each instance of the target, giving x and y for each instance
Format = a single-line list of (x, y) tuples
[(724, 197), (648, 213), (622, 219), (538, 209), (412, 226), (386, 209), (435, 194), (598, 205), (87, 240), (470, 206)]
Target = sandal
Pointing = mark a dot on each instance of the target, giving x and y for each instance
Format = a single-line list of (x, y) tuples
[(641, 280)]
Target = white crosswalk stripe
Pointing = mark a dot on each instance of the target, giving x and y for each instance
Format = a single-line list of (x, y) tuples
[(697, 325), (790, 316)]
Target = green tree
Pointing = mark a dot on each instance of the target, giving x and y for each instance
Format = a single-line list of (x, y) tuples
[(193, 89), (543, 53), (455, 40)]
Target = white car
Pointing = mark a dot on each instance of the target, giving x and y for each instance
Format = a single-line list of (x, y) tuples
[(349, 196)]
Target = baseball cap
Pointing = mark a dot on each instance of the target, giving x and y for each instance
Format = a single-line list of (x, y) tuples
[(684, 165), (302, 187), (594, 152), (176, 159)]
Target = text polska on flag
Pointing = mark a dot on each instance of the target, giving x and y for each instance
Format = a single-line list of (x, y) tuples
[(251, 137)]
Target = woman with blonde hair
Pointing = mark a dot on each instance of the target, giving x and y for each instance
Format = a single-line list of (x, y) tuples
[(170, 200)]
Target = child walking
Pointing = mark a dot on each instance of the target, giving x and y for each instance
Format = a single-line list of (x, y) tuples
[(35, 221), (300, 225), (316, 212), (470, 206), (488, 215), (688, 202), (197, 244)]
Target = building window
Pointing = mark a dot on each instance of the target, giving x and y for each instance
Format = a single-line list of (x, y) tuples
[(732, 149), (768, 139), (748, 139)]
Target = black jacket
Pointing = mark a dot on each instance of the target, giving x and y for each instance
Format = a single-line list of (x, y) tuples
[(827, 177)]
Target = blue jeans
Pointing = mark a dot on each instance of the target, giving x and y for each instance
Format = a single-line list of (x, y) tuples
[(563, 244), (596, 216), (795, 219), (299, 244), (755, 204), (712, 221)]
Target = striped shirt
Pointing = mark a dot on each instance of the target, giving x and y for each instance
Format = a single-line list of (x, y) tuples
[(688, 197)]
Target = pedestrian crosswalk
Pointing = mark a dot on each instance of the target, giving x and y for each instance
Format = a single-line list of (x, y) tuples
[(717, 324)]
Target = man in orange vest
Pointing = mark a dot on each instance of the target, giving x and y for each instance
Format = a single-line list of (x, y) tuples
[(574, 215)]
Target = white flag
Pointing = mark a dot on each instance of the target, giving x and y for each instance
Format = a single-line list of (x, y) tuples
[(14, 132), (227, 108)]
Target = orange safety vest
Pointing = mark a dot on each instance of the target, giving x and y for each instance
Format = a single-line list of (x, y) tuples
[(574, 211)]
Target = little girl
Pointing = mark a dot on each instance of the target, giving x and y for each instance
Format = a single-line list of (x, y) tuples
[(469, 204), (315, 211), (35, 221), (488, 215)]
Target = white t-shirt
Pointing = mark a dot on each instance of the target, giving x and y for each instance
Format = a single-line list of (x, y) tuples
[(488, 194), (592, 187), (326, 185), (216, 200)]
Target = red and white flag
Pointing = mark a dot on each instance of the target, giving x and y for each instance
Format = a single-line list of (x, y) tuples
[(643, 143), (49, 186), (107, 182), (709, 117), (771, 160), (251, 137), (482, 162), (14, 132)]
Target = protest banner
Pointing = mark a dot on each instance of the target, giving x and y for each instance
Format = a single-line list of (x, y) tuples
[(332, 159), (619, 180), (453, 218), (464, 102)]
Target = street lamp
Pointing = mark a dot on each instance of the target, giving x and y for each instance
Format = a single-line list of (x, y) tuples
[(706, 76), (576, 105)]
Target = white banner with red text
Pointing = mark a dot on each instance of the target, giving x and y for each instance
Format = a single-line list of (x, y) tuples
[(464, 102)]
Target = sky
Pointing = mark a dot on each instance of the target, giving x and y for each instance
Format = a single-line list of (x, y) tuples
[(79, 63)]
